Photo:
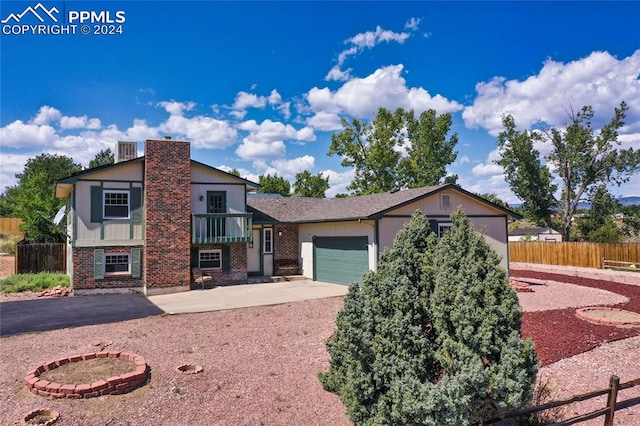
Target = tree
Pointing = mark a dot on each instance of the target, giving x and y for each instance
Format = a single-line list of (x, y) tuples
[(375, 149), (53, 167), (581, 157), (527, 177), (234, 172), (433, 336), (102, 158), (274, 185), (598, 226), (308, 185)]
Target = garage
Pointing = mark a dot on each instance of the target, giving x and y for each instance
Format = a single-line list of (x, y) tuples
[(340, 260)]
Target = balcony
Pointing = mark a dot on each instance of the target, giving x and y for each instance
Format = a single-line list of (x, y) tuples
[(221, 228)]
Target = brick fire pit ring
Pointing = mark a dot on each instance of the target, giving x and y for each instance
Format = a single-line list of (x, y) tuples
[(109, 386), (606, 315)]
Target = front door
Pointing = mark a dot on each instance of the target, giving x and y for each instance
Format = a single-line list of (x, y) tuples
[(253, 254), (216, 203)]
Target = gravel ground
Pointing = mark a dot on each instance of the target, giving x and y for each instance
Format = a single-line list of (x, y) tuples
[(261, 364)]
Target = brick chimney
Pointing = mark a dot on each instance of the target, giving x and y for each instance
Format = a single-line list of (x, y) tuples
[(167, 195)]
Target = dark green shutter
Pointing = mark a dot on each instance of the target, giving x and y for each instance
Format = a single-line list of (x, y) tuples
[(135, 263), (98, 264), (226, 258), (136, 205), (96, 204), (433, 224)]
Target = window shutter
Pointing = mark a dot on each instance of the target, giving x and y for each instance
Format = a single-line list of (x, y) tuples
[(136, 204), (96, 204), (135, 263), (194, 258), (433, 224), (226, 258), (98, 263)]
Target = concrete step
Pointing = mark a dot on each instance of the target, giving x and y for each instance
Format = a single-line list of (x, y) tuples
[(276, 279)]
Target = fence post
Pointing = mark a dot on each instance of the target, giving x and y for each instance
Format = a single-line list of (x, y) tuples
[(614, 383)]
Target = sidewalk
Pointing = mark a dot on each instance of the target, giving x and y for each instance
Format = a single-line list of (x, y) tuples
[(623, 277), (241, 296)]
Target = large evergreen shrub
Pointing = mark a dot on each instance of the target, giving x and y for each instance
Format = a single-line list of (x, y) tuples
[(433, 336)]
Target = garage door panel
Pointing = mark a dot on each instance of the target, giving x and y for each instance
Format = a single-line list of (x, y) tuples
[(340, 260)]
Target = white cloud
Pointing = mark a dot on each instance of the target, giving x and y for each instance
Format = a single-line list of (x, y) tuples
[(258, 150), (203, 132), (361, 97), (486, 169), (46, 115), (325, 121), (21, 135), (336, 74), (177, 108), (600, 80), (246, 100), (289, 168), (83, 122), (338, 181), (412, 24), (463, 160), (265, 140), (275, 98), (10, 164)]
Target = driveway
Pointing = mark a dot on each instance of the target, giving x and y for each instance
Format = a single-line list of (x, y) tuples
[(28, 316), (240, 296)]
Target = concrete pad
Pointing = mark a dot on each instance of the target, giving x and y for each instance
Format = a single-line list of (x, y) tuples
[(241, 296)]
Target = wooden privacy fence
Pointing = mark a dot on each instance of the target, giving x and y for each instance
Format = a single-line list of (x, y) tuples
[(34, 258), (9, 226), (608, 411), (589, 255)]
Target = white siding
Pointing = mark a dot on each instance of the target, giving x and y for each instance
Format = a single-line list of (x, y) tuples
[(306, 232)]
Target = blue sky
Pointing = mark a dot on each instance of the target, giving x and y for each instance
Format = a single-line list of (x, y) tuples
[(261, 86)]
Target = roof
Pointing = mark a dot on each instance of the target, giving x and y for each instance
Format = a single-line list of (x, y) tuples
[(533, 231), (64, 185), (306, 209)]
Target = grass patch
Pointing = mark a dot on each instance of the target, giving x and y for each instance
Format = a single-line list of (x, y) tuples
[(33, 282)]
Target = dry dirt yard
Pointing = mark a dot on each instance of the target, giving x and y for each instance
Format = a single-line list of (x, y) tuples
[(261, 363)]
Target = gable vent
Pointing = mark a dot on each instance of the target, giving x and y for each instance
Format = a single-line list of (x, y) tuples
[(126, 151)]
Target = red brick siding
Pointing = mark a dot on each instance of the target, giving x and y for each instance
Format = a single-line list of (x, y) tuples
[(167, 196), (83, 270), (238, 270), (285, 249)]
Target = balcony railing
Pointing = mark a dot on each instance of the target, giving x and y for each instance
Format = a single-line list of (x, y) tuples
[(221, 228)]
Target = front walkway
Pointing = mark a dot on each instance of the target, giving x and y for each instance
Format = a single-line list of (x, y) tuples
[(241, 296)]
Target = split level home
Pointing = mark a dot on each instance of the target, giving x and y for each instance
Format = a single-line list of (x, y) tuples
[(143, 223)]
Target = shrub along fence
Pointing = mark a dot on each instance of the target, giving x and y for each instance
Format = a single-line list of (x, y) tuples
[(34, 258), (589, 255), (608, 412)]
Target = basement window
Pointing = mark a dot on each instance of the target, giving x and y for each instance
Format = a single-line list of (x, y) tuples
[(117, 264), (210, 259)]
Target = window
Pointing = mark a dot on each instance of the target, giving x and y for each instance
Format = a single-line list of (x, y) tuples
[(117, 264), (443, 227), (116, 204), (268, 240), (210, 259), (446, 202)]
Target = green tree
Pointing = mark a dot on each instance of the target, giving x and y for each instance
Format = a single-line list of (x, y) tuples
[(374, 150), (274, 185), (582, 158), (603, 207), (433, 336), (527, 177), (54, 167), (102, 158), (493, 198), (235, 172), (36, 206), (308, 185)]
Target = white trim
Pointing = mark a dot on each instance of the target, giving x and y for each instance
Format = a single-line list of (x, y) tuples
[(110, 274), (212, 251), (442, 226), (266, 250), (104, 204)]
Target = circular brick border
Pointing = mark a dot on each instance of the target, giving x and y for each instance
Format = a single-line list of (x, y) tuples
[(583, 314), (110, 386)]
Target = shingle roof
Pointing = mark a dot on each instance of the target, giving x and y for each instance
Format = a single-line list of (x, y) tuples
[(304, 209)]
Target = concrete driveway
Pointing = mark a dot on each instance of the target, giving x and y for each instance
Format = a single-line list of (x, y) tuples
[(240, 296), (27, 316)]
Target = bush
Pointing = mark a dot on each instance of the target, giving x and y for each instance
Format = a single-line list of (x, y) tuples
[(8, 244), (33, 282), (432, 337)]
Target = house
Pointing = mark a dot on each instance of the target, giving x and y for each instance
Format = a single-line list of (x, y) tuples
[(536, 234), (143, 223), (338, 239)]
